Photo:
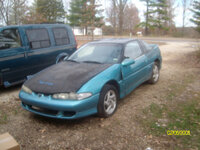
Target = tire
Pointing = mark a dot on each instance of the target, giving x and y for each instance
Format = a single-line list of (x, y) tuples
[(107, 101), (155, 74)]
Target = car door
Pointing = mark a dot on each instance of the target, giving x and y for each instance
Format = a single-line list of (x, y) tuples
[(135, 73), (12, 56), (148, 52), (40, 49)]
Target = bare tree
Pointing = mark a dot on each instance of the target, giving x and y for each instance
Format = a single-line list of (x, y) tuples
[(170, 15), (116, 14), (5, 7), (132, 19), (32, 17), (12, 11), (185, 5), (112, 12), (121, 5), (19, 9)]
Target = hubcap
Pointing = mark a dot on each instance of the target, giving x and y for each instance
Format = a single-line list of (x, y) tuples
[(155, 73), (110, 100)]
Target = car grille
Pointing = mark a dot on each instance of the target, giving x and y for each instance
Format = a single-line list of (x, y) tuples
[(49, 111), (44, 110)]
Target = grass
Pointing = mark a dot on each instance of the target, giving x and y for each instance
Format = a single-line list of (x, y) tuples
[(3, 118), (176, 114), (198, 50), (183, 116), (177, 88)]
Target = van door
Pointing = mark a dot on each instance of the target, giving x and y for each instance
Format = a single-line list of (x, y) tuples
[(12, 56), (62, 41), (40, 49)]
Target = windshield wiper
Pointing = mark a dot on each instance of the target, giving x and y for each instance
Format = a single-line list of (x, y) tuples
[(96, 62)]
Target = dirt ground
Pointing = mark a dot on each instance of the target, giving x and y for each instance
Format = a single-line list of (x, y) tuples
[(121, 131)]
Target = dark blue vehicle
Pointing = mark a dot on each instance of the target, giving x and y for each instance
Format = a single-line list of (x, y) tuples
[(27, 49), (92, 79)]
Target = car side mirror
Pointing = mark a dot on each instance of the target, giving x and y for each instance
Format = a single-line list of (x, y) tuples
[(127, 62)]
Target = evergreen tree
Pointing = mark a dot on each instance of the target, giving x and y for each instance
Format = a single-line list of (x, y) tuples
[(85, 13), (160, 19), (196, 16), (148, 16), (75, 13), (156, 16), (51, 10)]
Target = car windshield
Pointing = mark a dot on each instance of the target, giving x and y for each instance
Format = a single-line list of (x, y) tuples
[(98, 53), (9, 38)]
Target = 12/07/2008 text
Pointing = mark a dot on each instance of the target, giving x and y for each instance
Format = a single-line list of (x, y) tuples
[(178, 132)]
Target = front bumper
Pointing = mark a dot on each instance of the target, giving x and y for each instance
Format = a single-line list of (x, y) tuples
[(62, 109)]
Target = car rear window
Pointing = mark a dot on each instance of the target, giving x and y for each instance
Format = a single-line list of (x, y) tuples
[(38, 38), (61, 36)]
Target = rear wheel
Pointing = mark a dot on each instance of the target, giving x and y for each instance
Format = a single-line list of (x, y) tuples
[(155, 74), (107, 101)]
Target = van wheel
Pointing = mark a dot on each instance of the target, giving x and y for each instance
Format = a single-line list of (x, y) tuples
[(60, 59), (107, 101)]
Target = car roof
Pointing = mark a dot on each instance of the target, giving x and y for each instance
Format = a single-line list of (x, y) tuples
[(114, 40), (36, 25)]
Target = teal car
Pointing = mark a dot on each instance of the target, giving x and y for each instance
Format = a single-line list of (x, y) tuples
[(92, 80)]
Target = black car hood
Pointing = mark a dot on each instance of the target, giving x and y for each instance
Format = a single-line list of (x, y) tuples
[(64, 77)]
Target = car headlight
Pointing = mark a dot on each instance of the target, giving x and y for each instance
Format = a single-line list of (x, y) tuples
[(26, 89), (71, 96)]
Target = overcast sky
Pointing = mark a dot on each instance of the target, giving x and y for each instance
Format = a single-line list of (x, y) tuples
[(141, 7)]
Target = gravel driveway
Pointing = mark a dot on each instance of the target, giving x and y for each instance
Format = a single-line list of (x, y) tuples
[(121, 131)]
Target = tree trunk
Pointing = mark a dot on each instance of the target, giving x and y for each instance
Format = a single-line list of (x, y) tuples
[(147, 18)]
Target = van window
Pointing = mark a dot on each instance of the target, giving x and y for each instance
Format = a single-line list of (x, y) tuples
[(9, 38), (38, 38), (60, 35)]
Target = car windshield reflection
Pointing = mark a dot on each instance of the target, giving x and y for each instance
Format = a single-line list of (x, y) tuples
[(98, 53)]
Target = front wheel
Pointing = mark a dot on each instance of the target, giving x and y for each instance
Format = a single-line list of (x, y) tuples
[(155, 74), (107, 101)]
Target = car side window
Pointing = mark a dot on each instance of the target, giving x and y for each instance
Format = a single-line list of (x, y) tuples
[(9, 38), (38, 38), (132, 50), (61, 36), (146, 45)]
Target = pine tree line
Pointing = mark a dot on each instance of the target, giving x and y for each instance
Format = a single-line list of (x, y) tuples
[(196, 16), (85, 13), (159, 14)]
